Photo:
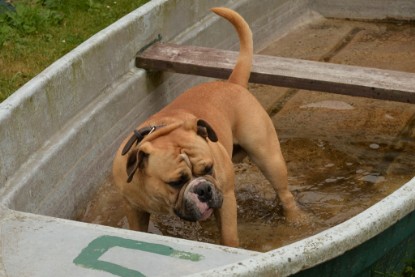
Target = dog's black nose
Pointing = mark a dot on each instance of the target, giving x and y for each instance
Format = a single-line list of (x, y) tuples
[(204, 191)]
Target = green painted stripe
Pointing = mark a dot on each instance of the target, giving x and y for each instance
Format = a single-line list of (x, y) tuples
[(89, 256)]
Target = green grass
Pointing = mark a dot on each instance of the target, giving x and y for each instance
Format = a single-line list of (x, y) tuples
[(38, 32)]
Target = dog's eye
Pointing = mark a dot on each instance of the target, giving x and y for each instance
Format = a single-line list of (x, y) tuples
[(180, 182), (176, 184), (208, 170)]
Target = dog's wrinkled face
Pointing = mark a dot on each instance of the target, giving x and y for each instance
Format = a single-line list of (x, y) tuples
[(198, 199), (174, 173)]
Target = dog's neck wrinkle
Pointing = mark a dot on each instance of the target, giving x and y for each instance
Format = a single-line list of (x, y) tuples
[(186, 160)]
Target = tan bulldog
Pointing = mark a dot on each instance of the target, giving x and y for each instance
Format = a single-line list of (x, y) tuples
[(179, 161)]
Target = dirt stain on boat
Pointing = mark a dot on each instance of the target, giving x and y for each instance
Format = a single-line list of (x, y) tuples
[(343, 153)]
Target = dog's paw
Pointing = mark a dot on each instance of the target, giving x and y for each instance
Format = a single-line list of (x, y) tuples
[(297, 217)]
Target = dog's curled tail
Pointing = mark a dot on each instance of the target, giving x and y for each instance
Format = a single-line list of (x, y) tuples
[(242, 70)]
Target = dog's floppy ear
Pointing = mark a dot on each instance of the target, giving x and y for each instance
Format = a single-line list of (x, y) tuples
[(206, 131), (137, 160)]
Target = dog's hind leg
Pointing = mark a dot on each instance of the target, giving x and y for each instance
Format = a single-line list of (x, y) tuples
[(261, 143)]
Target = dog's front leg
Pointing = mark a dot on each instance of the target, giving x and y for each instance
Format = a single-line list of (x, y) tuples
[(226, 218), (139, 221)]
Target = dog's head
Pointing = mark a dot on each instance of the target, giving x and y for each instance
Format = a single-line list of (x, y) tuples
[(172, 171)]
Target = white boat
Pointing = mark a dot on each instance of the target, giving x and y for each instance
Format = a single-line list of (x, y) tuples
[(59, 133)]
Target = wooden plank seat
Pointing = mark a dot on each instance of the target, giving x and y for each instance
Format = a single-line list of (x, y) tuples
[(286, 72)]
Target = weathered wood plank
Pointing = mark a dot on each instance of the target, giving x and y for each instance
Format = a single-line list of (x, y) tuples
[(286, 72)]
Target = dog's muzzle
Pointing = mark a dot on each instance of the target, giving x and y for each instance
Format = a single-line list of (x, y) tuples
[(199, 200)]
